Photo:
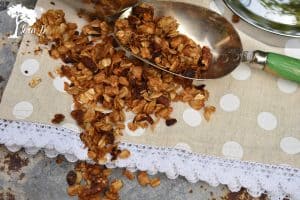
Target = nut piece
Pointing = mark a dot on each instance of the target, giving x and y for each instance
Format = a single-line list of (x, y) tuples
[(143, 179), (155, 182), (208, 111), (163, 100), (128, 174), (34, 82), (124, 154), (58, 118)]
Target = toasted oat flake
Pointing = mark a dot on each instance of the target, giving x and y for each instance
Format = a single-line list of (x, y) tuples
[(143, 179), (155, 182), (34, 82), (124, 154), (37, 51), (116, 185), (208, 111), (128, 174), (51, 75)]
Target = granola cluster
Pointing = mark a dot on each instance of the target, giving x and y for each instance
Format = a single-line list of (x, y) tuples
[(90, 182), (158, 40), (105, 84)]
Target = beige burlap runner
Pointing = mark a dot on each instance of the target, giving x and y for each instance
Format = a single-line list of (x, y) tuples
[(257, 117)]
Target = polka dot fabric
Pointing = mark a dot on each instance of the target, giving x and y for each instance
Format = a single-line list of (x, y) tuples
[(257, 116)]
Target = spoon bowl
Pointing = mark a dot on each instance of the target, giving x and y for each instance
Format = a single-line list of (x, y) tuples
[(208, 28)]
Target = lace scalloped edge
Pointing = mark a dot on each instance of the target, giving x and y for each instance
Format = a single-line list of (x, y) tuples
[(278, 181)]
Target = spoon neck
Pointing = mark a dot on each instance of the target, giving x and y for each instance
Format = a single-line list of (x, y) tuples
[(256, 59)]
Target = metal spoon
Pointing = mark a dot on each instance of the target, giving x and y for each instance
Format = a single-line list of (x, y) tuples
[(209, 28)]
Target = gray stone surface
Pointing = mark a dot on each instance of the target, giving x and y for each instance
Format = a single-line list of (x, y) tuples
[(43, 179)]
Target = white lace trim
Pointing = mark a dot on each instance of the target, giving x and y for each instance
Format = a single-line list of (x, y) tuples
[(277, 181)]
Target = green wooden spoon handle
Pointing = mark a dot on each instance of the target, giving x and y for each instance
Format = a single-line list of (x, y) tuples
[(284, 66)]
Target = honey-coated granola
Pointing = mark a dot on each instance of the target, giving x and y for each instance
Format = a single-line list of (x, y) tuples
[(105, 83), (158, 40)]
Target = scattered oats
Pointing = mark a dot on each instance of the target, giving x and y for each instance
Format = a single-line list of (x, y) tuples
[(143, 179), (37, 51), (51, 75), (34, 82), (155, 182), (128, 174), (208, 111)]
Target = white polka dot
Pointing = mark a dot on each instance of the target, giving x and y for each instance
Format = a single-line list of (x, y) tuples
[(267, 121), (22, 110), (59, 83), (292, 48), (183, 146), (287, 86), (229, 102), (290, 145), (30, 67), (242, 72), (217, 8), (72, 127), (192, 117), (137, 132), (232, 150)]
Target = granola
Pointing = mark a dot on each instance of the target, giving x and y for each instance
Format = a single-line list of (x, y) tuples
[(158, 40), (91, 182), (103, 78), (105, 83)]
